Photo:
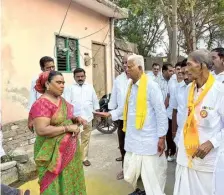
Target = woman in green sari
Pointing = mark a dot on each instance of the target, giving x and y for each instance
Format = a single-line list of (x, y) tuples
[(56, 150)]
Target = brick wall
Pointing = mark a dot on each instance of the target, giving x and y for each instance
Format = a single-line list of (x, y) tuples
[(16, 134)]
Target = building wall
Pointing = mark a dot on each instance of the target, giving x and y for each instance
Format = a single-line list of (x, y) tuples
[(160, 60), (28, 33)]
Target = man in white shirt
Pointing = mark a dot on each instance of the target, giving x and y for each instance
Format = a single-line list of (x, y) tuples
[(46, 64), (172, 83), (177, 102), (155, 71), (83, 97), (202, 130), (218, 66), (218, 63), (162, 80), (145, 123), (118, 95)]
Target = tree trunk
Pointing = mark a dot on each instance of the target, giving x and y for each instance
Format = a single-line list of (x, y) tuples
[(173, 59), (193, 34), (171, 25), (170, 46)]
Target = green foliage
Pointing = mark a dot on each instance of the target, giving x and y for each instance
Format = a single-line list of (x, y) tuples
[(144, 25), (208, 19)]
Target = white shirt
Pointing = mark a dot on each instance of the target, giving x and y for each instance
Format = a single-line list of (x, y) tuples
[(220, 77), (174, 76), (177, 101), (163, 84), (209, 128), (145, 141), (119, 92), (172, 83), (34, 95), (212, 72), (219, 164), (84, 100), (149, 72), (152, 76)]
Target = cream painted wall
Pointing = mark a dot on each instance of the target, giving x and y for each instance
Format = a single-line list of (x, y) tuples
[(28, 33)]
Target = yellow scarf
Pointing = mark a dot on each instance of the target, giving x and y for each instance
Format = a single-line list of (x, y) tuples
[(191, 137), (141, 104)]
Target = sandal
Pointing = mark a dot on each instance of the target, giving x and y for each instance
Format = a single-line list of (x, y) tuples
[(86, 163), (136, 192), (27, 192), (119, 159), (120, 176)]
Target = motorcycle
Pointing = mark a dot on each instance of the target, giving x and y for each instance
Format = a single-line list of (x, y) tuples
[(105, 125)]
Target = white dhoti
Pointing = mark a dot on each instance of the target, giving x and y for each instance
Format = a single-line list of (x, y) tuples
[(218, 183), (153, 171), (192, 182)]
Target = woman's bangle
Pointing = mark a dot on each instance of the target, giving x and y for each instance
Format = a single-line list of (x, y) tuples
[(68, 128), (65, 128)]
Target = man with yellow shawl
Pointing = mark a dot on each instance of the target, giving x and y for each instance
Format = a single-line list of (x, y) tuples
[(145, 125), (202, 129)]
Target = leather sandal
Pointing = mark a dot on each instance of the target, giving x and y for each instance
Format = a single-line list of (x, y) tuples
[(119, 159), (27, 192), (86, 163), (120, 176)]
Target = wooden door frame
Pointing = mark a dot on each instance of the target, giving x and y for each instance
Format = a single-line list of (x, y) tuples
[(105, 59)]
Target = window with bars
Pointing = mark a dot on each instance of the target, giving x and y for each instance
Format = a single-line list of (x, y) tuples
[(67, 53)]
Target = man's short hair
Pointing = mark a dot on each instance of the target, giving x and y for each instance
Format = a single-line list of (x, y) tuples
[(44, 60), (138, 60), (220, 51), (202, 56), (165, 66), (155, 64), (184, 63), (78, 70), (178, 64)]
